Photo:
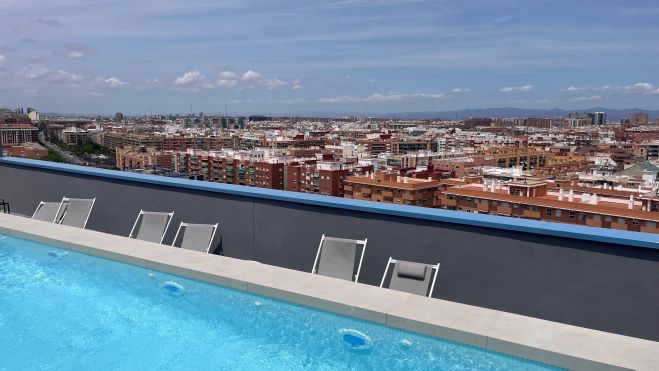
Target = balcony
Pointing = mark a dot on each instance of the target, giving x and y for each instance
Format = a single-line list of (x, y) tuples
[(649, 230), (531, 214), (594, 223), (527, 267), (619, 226), (502, 210)]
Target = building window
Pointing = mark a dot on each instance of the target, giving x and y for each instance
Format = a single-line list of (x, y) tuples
[(651, 224), (571, 215), (549, 211), (635, 222), (621, 220)]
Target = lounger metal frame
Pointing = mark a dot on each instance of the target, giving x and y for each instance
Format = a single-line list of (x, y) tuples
[(394, 261), (65, 200), (361, 259), (141, 213), (210, 243), (39, 207)]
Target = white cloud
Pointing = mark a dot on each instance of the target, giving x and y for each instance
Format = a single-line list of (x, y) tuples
[(523, 88), (575, 88), (227, 83), (640, 87), (297, 85), (461, 90), (426, 95), (370, 81), (340, 99), (228, 75), (77, 51), (191, 77), (590, 98), (271, 84), (3, 59), (379, 97), (41, 72), (112, 82), (251, 76)]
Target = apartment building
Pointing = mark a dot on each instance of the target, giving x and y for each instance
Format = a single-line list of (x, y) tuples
[(390, 187), (401, 147), (638, 118), (28, 150), (14, 134), (530, 157), (76, 136), (532, 200), (322, 177), (236, 169)]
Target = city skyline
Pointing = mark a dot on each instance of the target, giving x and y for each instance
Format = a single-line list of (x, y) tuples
[(360, 56)]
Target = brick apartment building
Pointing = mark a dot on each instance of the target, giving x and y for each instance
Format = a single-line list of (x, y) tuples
[(239, 170), (390, 187), (324, 177), (28, 150), (530, 199)]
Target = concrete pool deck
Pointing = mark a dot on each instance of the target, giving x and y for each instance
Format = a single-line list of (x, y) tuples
[(539, 340)]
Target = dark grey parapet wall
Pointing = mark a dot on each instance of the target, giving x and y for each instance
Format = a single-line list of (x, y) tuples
[(513, 265)]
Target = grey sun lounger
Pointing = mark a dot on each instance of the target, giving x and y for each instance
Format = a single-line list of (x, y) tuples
[(48, 212), (151, 226), (414, 278), (197, 237), (339, 258), (75, 211)]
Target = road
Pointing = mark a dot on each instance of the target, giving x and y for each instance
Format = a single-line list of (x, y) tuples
[(71, 159)]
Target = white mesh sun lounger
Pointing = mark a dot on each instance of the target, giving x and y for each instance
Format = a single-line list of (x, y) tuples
[(75, 212), (151, 226), (48, 212), (197, 237), (339, 258), (414, 278)]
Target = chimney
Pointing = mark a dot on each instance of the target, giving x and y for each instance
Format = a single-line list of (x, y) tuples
[(585, 198), (630, 205), (398, 178), (484, 185), (594, 200), (493, 186), (560, 194), (570, 196), (405, 179)]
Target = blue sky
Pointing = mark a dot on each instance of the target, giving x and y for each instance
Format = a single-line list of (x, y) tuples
[(94, 56)]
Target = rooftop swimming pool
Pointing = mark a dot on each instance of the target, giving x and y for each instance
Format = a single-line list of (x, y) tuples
[(64, 310)]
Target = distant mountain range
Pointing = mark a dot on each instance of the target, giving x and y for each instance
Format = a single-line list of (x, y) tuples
[(503, 112)]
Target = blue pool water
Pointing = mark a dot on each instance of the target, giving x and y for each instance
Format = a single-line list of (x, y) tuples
[(64, 310)]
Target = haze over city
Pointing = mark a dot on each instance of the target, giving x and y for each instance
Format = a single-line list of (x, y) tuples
[(97, 57)]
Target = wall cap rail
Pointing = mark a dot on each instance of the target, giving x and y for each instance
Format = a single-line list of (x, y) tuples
[(629, 238)]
